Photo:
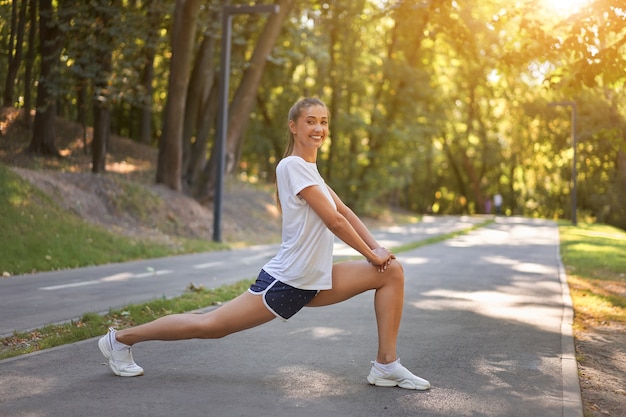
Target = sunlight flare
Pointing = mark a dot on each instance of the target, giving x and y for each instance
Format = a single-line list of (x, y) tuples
[(565, 7)]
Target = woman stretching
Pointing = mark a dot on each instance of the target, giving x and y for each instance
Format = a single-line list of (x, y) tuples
[(302, 271)]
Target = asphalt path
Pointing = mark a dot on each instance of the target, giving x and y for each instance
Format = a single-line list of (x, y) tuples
[(487, 320)]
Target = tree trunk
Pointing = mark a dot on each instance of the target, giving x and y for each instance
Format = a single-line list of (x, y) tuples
[(245, 96), (145, 126), (44, 131), (101, 107), (170, 146), (200, 85), (30, 60), (201, 169), (473, 116), (15, 50), (81, 106), (101, 133), (154, 17)]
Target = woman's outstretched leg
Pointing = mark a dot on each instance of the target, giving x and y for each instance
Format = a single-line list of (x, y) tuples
[(354, 277), (244, 312)]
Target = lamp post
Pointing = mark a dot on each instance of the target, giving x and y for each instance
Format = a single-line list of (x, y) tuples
[(222, 119), (571, 104)]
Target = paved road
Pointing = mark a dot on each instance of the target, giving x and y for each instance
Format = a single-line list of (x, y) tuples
[(487, 320)]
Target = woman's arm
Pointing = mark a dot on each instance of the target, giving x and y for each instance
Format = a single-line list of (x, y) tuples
[(354, 220), (346, 226)]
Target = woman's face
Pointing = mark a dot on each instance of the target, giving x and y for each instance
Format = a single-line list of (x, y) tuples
[(310, 129)]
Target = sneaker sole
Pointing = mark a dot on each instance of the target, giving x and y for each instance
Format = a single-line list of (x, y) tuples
[(130, 374), (401, 384)]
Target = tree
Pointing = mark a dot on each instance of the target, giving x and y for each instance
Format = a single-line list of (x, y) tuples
[(44, 130), (199, 114), (169, 169), (155, 14), (245, 98), (105, 17), (434, 105), (16, 42), (30, 62)]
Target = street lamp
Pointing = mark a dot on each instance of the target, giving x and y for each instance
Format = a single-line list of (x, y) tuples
[(571, 104), (222, 119)]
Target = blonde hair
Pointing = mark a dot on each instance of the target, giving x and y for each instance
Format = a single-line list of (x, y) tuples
[(293, 116)]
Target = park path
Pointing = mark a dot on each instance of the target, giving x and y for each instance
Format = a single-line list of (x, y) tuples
[(487, 320)]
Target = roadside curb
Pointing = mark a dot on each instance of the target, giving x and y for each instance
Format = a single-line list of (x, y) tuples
[(572, 398)]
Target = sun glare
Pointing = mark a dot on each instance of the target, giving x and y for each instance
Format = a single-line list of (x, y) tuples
[(565, 7)]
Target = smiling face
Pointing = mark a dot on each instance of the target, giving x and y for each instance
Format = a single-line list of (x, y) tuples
[(309, 131)]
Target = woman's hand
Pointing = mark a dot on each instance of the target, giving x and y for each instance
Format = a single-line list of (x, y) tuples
[(383, 258)]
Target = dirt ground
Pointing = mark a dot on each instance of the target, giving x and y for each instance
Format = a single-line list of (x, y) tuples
[(250, 217), (249, 214), (601, 355)]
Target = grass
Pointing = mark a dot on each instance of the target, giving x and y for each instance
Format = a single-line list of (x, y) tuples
[(594, 256), (92, 324), (38, 235)]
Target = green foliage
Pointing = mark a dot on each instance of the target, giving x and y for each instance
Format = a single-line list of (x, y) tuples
[(435, 106), (426, 113)]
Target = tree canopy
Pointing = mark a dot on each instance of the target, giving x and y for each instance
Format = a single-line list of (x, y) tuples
[(435, 105)]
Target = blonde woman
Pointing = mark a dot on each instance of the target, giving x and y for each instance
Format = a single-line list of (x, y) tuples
[(302, 272)]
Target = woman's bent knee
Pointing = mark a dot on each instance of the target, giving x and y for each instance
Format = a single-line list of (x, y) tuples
[(395, 267), (395, 272)]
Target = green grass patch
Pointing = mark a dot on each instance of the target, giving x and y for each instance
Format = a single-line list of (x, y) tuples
[(93, 324), (38, 235), (136, 199), (594, 256)]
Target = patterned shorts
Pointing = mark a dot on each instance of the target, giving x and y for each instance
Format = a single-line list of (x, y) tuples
[(281, 299)]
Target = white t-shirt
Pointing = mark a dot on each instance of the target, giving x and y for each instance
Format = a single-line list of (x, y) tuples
[(305, 257)]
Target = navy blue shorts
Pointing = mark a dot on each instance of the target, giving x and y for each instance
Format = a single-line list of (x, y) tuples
[(281, 299)]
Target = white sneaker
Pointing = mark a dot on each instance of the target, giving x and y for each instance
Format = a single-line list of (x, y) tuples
[(400, 377), (120, 361)]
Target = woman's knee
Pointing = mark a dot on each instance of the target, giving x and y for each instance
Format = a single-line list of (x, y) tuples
[(395, 272), (395, 268)]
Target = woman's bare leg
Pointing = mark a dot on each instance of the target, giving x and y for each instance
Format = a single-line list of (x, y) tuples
[(354, 277), (244, 312)]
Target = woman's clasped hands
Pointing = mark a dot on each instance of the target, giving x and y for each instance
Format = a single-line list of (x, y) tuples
[(383, 258)]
